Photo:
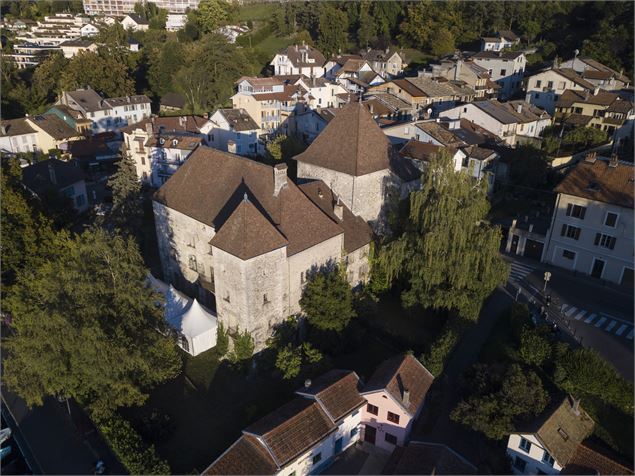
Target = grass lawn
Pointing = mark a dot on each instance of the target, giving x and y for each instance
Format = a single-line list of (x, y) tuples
[(254, 11)]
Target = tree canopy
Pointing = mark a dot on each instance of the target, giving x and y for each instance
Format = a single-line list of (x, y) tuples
[(447, 254), (126, 196), (85, 326)]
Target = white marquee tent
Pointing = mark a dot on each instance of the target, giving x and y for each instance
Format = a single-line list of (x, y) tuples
[(195, 325)]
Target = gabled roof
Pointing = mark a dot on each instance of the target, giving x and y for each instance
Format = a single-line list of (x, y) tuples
[(433, 88), (505, 55), (292, 429), (508, 112), (37, 177), (210, 185), (602, 67), (422, 151), (508, 35), (239, 119), (400, 374), (78, 43), (598, 97), (247, 233), (54, 126), (420, 457), (174, 141), (409, 87), (342, 59), (295, 54), (352, 143), (337, 392), (247, 456), (572, 75), (137, 19), (166, 124), (591, 458), (379, 55), (440, 133), (600, 182), (15, 127), (357, 233), (560, 429), (173, 100)]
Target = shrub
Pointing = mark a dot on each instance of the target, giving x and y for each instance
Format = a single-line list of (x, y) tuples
[(290, 360), (134, 454), (243, 348), (534, 349), (222, 340), (434, 360)]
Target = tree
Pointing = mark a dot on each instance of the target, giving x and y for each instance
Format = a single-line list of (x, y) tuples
[(126, 196), (103, 70), (47, 76), (583, 137), (366, 29), (327, 300), (534, 348), (499, 400), (290, 360), (447, 255), (86, 326), (333, 24), (529, 167), (443, 42), (211, 14), (274, 147)]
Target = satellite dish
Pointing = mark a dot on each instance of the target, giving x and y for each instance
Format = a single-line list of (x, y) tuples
[(576, 52), (429, 111)]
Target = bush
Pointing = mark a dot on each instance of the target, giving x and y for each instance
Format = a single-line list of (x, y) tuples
[(134, 454), (291, 360), (222, 340), (434, 360), (243, 348), (534, 348)]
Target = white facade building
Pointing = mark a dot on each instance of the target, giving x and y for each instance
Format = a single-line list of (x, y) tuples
[(592, 224), (16, 136), (545, 88), (299, 59), (233, 130), (506, 68), (119, 8)]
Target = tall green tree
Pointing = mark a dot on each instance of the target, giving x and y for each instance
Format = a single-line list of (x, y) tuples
[(127, 209), (327, 300), (86, 326), (366, 26), (211, 14), (447, 255), (333, 25), (103, 70)]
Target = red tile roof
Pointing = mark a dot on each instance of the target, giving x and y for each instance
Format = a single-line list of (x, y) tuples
[(246, 456), (337, 392)]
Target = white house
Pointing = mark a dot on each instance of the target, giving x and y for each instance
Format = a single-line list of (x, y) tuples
[(89, 30), (65, 179), (167, 152), (299, 59), (598, 74), (506, 68), (356, 75), (195, 326), (134, 22), (17, 135), (233, 130), (509, 121), (545, 88), (395, 395), (388, 63), (303, 436), (71, 48), (175, 21), (107, 114), (592, 224), (500, 41), (547, 444)]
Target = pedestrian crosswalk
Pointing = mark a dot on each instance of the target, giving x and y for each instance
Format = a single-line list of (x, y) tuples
[(518, 271), (605, 322)]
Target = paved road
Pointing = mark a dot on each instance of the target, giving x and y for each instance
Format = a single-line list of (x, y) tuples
[(596, 314), (52, 442)]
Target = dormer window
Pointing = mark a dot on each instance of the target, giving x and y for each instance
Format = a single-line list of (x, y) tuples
[(563, 434)]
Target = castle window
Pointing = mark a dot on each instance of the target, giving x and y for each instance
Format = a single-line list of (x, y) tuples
[(265, 299), (192, 263), (226, 298)]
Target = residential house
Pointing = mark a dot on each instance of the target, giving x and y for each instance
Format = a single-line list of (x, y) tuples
[(421, 153), (52, 132), (240, 231), (88, 30), (500, 41), (321, 92), (420, 457), (335, 63), (73, 118), (458, 70), (53, 176), (596, 108), (395, 395), (299, 59), (175, 21), (356, 76), (388, 63), (137, 135), (95, 150), (134, 22), (590, 457), (17, 136), (71, 48), (167, 152), (233, 130), (598, 74), (511, 121), (388, 109), (505, 68), (547, 444), (303, 436), (107, 114), (310, 123), (171, 102), (427, 96), (545, 88), (527, 236), (592, 225), (352, 156)]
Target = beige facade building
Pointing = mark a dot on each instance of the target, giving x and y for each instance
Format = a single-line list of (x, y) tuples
[(241, 234)]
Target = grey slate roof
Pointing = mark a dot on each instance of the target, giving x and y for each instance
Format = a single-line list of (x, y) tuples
[(239, 119), (37, 177)]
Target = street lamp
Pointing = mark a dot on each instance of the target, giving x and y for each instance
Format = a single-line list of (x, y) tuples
[(547, 277)]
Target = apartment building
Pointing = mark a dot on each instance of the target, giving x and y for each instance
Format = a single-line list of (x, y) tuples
[(119, 8), (505, 68)]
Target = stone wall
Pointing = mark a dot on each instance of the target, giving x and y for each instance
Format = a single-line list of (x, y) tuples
[(357, 266)]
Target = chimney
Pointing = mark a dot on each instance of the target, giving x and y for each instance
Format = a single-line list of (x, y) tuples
[(52, 173), (182, 121), (231, 146), (591, 157), (519, 108), (613, 161), (596, 90), (406, 397), (457, 70), (514, 221), (279, 178), (338, 209), (575, 406), (307, 383)]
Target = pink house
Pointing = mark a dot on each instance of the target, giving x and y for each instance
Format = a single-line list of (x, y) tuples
[(394, 398)]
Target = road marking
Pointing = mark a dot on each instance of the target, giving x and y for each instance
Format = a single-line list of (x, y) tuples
[(580, 315), (570, 312), (590, 318), (610, 326), (630, 334), (600, 322), (621, 330)]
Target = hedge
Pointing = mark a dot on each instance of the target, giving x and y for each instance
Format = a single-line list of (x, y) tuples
[(132, 451)]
